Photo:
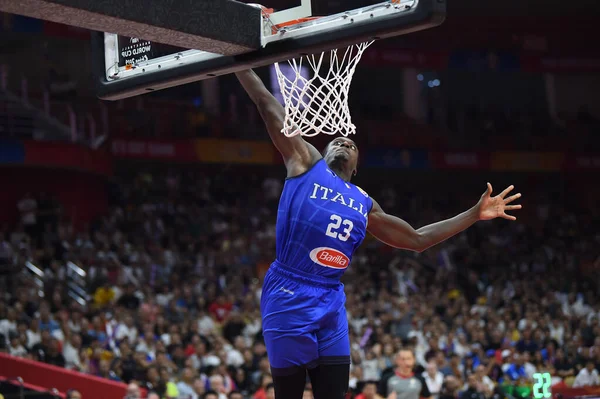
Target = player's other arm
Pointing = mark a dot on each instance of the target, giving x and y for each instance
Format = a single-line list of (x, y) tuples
[(397, 233), (298, 155)]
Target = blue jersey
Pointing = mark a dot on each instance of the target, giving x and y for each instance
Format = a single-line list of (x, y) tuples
[(321, 221)]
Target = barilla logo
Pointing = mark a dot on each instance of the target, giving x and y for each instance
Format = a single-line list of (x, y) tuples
[(329, 257)]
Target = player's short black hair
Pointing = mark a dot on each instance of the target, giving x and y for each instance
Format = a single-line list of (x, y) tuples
[(210, 392)]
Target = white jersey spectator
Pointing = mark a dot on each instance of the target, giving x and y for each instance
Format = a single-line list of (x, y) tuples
[(587, 377), (434, 379)]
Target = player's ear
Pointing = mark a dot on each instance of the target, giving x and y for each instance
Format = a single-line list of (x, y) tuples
[(354, 172)]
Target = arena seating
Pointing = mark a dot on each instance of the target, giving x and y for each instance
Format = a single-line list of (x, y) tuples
[(164, 290)]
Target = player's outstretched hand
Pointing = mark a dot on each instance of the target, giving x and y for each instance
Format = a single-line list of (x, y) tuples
[(493, 207)]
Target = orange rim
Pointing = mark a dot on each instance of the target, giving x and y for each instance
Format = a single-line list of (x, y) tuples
[(293, 22)]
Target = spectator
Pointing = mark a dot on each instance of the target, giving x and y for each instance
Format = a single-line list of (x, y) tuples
[(587, 376), (40, 349), (516, 370), (270, 391), (133, 391), (104, 295), (434, 379), (53, 355), (71, 351), (220, 308), (104, 371), (369, 391), (129, 299), (265, 380), (8, 325), (217, 384), (485, 383), (564, 367), (403, 382), (73, 394), (15, 348), (474, 389), (450, 388), (185, 384), (28, 208), (199, 388)]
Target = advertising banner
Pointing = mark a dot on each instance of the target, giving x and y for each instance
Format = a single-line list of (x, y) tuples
[(583, 162), (235, 151), (169, 150), (527, 161), (461, 160), (53, 154), (397, 159)]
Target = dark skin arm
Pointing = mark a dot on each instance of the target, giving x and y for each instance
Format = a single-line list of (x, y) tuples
[(298, 155), (397, 233)]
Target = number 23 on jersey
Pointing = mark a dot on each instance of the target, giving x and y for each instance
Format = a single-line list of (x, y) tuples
[(339, 228)]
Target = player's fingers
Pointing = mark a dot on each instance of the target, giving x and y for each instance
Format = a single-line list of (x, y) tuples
[(506, 191), (512, 198), (512, 207), (508, 217), (489, 189)]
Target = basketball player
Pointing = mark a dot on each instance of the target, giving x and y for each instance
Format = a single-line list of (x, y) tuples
[(321, 221)]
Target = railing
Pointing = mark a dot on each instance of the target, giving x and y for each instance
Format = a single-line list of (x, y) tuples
[(36, 116), (76, 283), (38, 277)]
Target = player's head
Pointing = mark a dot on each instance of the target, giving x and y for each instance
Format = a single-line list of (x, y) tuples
[(341, 155)]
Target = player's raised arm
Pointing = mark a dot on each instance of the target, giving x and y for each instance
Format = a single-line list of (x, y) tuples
[(298, 155), (399, 234)]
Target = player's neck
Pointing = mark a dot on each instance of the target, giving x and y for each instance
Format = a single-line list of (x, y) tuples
[(339, 170)]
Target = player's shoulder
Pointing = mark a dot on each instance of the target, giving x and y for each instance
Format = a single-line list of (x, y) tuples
[(363, 192)]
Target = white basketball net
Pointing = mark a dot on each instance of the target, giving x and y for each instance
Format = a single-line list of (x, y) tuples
[(320, 104)]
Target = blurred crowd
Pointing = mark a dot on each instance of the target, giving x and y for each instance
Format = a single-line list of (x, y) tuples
[(174, 272)]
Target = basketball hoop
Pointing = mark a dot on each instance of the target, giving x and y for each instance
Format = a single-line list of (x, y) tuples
[(319, 104)]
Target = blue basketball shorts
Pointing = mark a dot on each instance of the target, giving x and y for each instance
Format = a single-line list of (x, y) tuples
[(304, 320)]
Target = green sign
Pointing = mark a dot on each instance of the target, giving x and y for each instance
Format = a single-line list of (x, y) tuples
[(541, 388)]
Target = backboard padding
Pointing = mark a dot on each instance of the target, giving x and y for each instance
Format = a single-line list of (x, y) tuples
[(425, 14)]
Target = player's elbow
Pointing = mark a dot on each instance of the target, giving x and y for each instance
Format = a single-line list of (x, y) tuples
[(419, 242), (414, 242)]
